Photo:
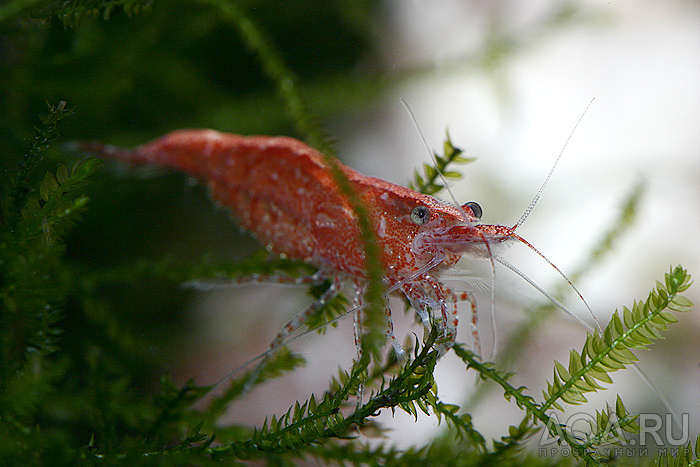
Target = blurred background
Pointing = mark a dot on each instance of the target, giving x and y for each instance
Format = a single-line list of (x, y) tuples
[(509, 82)]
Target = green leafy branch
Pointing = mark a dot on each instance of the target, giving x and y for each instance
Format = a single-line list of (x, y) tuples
[(609, 352), (37, 209), (21, 181), (602, 354), (207, 271), (34, 217), (431, 182)]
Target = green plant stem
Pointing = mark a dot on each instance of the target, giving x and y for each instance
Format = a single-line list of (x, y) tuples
[(287, 87)]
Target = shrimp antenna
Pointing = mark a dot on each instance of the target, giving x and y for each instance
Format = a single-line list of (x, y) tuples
[(536, 199), (561, 273), (432, 156), (532, 205), (548, 296)]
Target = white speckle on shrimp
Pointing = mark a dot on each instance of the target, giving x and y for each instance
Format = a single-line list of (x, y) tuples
[(324, 220), (381, 232), (212, 137)]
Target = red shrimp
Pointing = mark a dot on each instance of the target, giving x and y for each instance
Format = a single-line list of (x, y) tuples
[(283, 192)]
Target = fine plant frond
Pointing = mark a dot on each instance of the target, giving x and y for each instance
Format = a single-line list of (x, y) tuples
[(602, 354), (54, 210), (172, 402), (683, 456), (36, 213), (209, 272), (611, 351), (628, 210), (275, 68), (461, 425), (610, 425), (73, 12), (205, 269), (21, 182), (510, 445), (431, 182), (332, 309), (309, 423)]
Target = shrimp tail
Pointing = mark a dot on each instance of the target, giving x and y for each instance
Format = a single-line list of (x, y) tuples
[(96, 148), (190, 151)]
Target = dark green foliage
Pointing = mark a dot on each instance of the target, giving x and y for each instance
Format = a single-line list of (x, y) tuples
[(36, 212), (430, 182), (86, 340)]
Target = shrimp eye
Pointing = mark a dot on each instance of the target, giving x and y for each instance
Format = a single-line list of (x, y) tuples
[(476, 209), (420, 215)]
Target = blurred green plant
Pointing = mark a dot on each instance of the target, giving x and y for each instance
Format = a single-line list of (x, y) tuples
[(79, 384)]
